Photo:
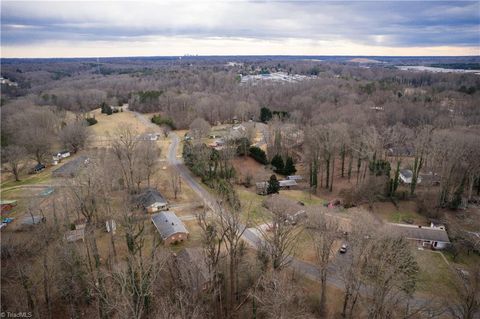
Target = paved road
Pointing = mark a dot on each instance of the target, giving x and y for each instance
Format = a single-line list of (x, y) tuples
[(251, 234)]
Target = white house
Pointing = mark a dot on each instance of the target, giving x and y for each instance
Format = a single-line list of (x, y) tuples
[(152, 201), (406, 176), (434, 237)]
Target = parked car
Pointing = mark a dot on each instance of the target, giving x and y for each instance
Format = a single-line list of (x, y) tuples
[(38, 168), (343, 249)]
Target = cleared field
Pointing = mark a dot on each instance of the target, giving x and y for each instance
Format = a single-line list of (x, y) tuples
[(107, 124), (434, 275), (302, 196), (406, 212), (252, 207)]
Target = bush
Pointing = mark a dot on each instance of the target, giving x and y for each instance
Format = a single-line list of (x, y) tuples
[(106, 109), (91, 121), (159, 120), (258, 154)]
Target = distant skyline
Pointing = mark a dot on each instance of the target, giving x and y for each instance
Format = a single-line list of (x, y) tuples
[(162, 28)]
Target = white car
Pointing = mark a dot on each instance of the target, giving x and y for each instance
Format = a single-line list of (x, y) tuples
[(343, 249)]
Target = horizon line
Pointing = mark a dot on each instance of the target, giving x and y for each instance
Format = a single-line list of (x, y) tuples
[(239, 55)]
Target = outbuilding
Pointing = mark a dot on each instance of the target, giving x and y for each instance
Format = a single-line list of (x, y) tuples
[(170, 227)]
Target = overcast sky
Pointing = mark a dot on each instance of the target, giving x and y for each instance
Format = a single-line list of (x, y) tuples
[(153, 28)]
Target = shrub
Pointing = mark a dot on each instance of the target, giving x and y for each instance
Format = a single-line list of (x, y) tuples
[(91, 121), (159, 120), (106, 109), (258, 154)]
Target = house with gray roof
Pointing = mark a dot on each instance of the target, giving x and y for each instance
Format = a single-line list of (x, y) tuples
[(406, 176), (434, 237), (170, 227), (151, 200)]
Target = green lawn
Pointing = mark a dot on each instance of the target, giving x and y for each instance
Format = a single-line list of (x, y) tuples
[(302, 196), (463, 258), (27, 180), (434, 274), (252, 207), (402, 217)]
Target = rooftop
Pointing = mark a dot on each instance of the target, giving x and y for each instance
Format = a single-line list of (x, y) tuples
[(150, 196), (419, 232), (407, 173), (167, 224)]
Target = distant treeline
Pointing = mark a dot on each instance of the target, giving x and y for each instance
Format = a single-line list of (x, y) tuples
[(457, 66)]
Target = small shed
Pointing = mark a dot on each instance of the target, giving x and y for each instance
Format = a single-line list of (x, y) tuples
[(152, 201), (295, 177), (7, 205), (170, 227), (32, 220), (261, 188), (75, 235), (401, 151), (287, 183)]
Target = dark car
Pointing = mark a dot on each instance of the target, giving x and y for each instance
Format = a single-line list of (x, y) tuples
[(343, 249), (38, 168)]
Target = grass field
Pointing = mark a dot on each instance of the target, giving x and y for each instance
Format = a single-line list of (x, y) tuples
[(405, 212), (252, 207), (302, 196), (434, 274), (107, 124)]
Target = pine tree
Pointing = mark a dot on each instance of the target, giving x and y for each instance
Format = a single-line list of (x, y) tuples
[(277, 163), (289, 167), (273, 185)]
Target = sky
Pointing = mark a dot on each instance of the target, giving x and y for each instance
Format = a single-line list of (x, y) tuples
[(43, 29)]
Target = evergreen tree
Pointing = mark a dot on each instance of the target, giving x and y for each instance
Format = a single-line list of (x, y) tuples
[(258, 154), (277, 162), (289, 167), (265, 114), (273, 185), (106, 108)]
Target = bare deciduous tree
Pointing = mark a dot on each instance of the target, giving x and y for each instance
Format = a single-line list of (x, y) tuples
[(324, 231), (14, 156), (199, 128), (280, 236), (74, 135)]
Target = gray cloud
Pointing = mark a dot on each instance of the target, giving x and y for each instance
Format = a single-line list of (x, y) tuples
[(393, 23)]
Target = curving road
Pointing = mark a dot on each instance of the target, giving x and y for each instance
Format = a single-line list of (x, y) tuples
[(250, 235)]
